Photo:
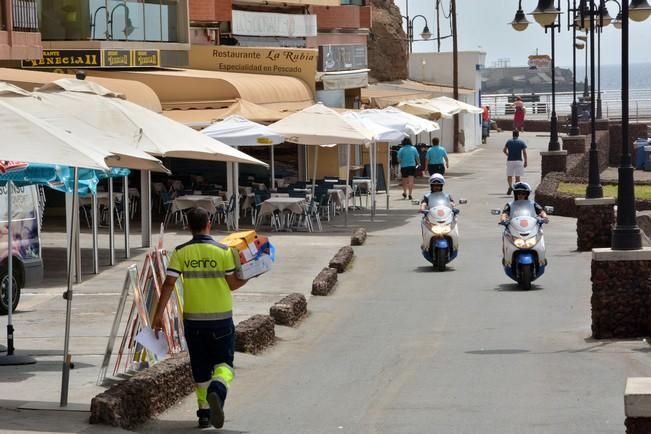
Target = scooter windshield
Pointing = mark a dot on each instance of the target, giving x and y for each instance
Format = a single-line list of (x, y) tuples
[(437, 199), (522, 208)]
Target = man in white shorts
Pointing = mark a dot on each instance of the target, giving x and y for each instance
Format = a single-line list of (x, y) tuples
[(516, 159)]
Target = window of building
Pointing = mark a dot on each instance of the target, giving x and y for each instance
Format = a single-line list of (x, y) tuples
[(119, 20)]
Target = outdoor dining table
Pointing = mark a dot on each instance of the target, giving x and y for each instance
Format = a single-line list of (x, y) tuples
[(284, 205), (209, 203)]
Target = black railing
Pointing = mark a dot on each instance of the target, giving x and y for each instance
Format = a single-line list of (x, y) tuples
[(3, 17), (25, 16)]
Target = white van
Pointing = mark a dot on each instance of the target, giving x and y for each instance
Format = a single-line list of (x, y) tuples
[(26, 226)]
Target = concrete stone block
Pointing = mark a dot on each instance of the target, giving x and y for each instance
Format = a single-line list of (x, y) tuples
[(289, 310), (255, 334), (621, 294), (595, 218), (359, 237), (575, 144), (149, 392), (553, 161), (342, 259), (325, 282)]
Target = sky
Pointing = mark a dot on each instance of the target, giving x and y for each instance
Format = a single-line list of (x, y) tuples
[(483, 25)]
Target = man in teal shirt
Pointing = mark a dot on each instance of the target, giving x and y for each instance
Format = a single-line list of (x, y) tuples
[(408, 158), (437, 158)]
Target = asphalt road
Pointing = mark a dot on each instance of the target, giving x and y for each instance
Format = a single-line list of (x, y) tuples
[(400, 348)]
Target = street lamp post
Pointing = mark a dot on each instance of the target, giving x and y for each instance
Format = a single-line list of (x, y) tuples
[(626, 233), (574, 127), (546, 14), (426, 35), (594, 189)]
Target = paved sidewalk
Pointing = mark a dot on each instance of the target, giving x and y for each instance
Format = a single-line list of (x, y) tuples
[(39, 322)]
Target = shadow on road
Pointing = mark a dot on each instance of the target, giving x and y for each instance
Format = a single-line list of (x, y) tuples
[(513, 287)]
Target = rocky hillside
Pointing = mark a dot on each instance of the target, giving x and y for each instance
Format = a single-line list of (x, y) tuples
[(521, 80), (387, 47)]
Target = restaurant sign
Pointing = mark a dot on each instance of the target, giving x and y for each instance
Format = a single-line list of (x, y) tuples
[(342, 57), (95, 59), (292, 62)]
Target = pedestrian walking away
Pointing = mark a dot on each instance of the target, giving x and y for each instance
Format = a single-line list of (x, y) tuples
[(408, 157), (395, 164), (207, 269), (436, 158), (516, 159), (518, 115)]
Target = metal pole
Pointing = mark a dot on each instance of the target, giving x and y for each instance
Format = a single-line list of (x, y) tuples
[(10, 273), (347, 183), (95, 241), (111, 224), (574, 129), (273, 170), (626, 233), (236, 210), (145, 207), (77, 237), (554, 145), (586, 89), (67, 359), (125, 215), (455, 73), (599, 30), (594, 189), (388, 178)]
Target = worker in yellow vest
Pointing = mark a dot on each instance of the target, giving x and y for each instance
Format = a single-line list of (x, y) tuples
[(208, 272)]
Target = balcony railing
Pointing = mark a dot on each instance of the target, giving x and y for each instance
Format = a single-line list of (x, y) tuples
[(25, 16)]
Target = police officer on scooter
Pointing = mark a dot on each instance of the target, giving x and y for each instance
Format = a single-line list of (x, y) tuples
[(521, 191), (436, 183)]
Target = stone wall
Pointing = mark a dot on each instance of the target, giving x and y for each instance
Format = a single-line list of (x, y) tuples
[(620, 293), (387, 43), (595, 218), (635, 130)]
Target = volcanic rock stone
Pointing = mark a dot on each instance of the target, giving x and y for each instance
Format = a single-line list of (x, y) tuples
[(289, 310), (325, 282), (595, 218), (255, 334), (342, 259), (147, 393), (359, 237)]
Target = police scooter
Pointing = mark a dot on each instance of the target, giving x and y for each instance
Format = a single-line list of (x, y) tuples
[(523, 244), (439, 229)]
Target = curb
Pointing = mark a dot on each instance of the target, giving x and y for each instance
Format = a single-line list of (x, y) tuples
[(325, 282), (149, 392), (255, 334), (289, 310), (342, 259), (359, 237)]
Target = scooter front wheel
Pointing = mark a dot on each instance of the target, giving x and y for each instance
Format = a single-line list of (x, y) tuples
[(441, 258), (526, 276)]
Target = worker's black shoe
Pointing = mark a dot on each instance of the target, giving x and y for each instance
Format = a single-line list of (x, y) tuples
[(204, 418), (216, 410)]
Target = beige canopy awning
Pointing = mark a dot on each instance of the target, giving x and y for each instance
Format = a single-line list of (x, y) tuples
[(254, 112), (197, 89), (381, 95), (134, 91)]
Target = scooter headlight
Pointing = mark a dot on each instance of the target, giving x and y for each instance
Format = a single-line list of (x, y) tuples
[(440, 230), (521, 243)]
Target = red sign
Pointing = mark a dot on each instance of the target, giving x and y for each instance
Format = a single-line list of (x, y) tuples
[(11, 166)]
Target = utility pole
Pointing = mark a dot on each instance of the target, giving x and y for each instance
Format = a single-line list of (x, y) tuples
[(455, 70), (438, 26)]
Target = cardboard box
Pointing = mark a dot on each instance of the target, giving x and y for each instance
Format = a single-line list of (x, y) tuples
[(255, 268), (247, 236)]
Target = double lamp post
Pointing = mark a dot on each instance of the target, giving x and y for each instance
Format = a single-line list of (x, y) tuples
[(626, 233)]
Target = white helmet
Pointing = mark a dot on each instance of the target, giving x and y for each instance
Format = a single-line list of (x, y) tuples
[(437, 178)]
